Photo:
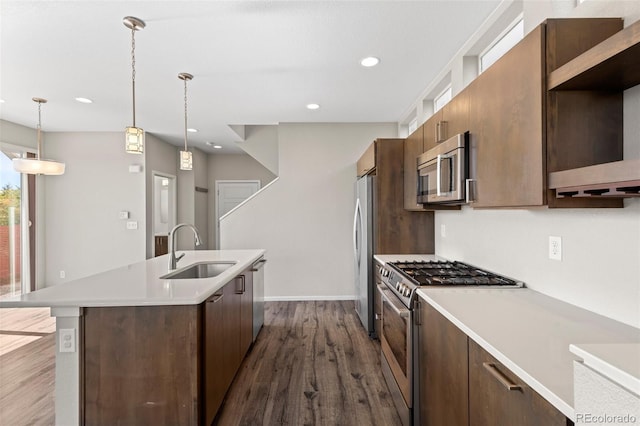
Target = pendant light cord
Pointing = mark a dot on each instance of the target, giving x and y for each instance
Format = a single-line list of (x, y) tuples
[(133, 71), (185, 114), (39, 129)]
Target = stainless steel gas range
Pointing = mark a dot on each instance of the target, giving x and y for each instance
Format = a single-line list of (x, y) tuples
[(401, 277)]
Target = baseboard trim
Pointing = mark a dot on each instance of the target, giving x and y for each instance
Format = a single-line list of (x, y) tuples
[(305, 298)]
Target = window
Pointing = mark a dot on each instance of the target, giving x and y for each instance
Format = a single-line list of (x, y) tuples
[(442, 99), (502, 45), (413, 125)]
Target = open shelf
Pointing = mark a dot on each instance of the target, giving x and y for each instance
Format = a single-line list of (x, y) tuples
[(618, 179), (614, 64)]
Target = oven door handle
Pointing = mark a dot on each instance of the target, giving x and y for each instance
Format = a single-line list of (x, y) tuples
[(402, 311)]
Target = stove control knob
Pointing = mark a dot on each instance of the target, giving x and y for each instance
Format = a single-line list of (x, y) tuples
[(407, 291), (398, 286)]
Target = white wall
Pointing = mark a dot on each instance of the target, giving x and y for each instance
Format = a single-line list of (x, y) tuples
[(159, 157), (186, 192), (600, 270), (84, 235), (232, 167), (304, 219), (261, 142)]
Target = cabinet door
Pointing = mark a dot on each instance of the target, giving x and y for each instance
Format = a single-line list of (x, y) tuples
[(413, 147), (231, 325), (214, 385), (455, 115), (244, 285), (443, 365), (430, 126), (506, 125), (492, 402)]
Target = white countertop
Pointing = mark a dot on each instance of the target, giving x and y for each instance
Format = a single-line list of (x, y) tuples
[(139, 284), (620, 362), (530, 333)]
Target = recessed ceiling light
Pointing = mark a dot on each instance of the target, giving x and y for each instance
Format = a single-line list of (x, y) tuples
[(211, 144), (313, 106), (84, 100), (217, 146), (192, 130), (370, 61)]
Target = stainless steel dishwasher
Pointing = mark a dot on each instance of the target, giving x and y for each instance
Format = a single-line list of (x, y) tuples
[(258, 295)]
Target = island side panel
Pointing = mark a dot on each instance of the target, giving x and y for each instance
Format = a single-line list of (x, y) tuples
[(142, 365)]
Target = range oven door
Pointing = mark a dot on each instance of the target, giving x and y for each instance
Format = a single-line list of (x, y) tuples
[(396, 341)]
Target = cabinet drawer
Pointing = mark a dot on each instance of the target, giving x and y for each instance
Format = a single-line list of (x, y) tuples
[(499, 397)]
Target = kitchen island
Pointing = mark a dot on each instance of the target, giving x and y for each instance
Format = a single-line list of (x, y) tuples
[(133, 348)]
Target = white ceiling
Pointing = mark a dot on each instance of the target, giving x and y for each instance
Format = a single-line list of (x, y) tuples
[(254, 62)]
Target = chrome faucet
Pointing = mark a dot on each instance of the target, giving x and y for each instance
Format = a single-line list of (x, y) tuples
[(173, 260)]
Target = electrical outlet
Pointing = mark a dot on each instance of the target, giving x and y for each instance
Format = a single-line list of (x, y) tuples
[(555, 248), (63, 274), (67, 339), (443, 231)]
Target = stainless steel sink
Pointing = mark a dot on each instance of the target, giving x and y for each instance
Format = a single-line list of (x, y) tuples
[(200, 270)]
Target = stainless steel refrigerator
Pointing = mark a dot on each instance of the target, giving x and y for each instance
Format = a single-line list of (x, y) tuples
[(363, 252)]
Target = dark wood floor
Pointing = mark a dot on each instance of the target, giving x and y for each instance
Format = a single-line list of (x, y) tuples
[(312, 364)]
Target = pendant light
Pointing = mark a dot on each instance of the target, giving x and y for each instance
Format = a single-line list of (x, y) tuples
[(134, 136), (186, 156), (37, 166)]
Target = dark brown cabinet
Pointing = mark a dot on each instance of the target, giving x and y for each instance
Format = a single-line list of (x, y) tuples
[(215, 384), (461, 384), (499, 397), (165, 365), (443, 379), (161, 245), (519, 131), (395, 228)]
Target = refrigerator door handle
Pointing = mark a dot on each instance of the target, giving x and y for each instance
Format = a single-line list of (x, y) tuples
[(357, 221)]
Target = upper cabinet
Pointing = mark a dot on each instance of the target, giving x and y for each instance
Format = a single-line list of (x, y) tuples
[(367, 161), (520, 131), (606, 69)]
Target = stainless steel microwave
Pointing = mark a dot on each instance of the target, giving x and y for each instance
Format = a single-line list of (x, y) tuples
[(443, 172)]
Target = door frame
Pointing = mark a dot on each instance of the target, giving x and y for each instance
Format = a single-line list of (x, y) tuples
[(216, 202), (172, 205)]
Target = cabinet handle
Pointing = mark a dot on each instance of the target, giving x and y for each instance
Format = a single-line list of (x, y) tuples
[(504, 380), (259, 264), (241, 277), (216, 299), (470, 190)]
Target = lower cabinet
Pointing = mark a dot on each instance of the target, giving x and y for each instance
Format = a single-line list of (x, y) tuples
[(444, 391), (499, 397), (461, 384), (164, 365)]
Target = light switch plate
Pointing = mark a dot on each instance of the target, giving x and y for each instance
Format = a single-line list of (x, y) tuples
[(123, 214), (132, 224)]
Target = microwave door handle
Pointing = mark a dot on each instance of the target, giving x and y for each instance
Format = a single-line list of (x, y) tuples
[(438, 176), (356, 222)]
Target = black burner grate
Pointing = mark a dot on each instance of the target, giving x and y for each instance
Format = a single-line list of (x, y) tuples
[(446, 273)]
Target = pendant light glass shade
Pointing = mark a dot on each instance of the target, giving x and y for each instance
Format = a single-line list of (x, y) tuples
[(186, 157), (37, 166), (133, 136), (134, 140), (186, 160)]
